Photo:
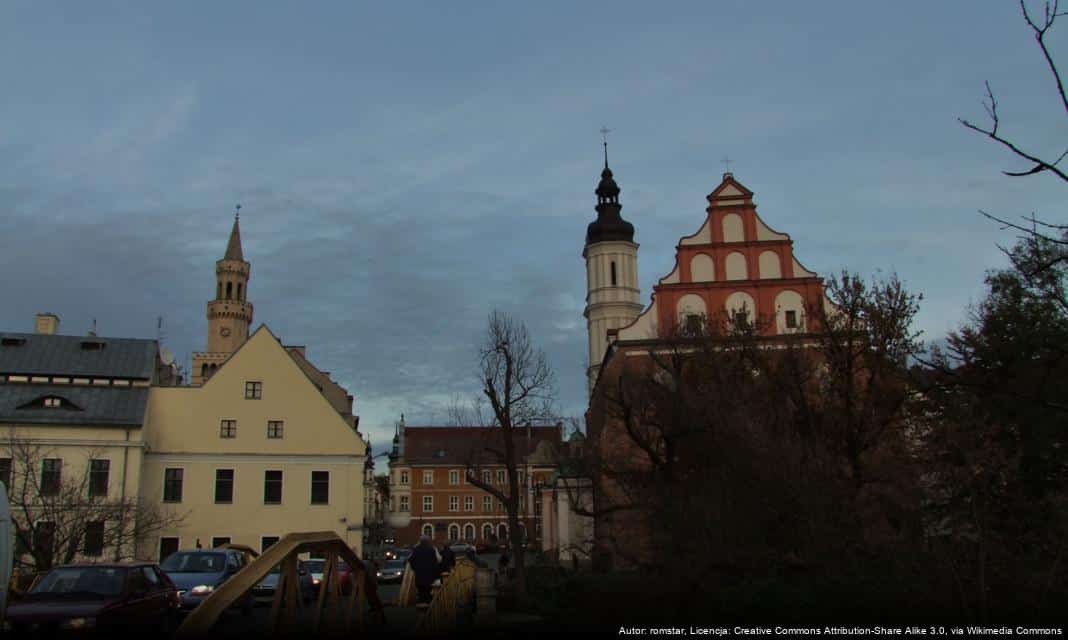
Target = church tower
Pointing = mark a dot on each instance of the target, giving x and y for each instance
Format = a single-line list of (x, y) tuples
[(230, 313), (611, 272)]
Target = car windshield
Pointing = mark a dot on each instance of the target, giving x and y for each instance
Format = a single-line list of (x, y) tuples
[(194, 562), (395, 564), (98, 581), (315, 566)]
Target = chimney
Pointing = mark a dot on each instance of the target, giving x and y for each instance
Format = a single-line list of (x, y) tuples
[(46, 324)]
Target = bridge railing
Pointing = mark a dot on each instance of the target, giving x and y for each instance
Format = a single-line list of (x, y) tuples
[(455, 596), (288, 605)]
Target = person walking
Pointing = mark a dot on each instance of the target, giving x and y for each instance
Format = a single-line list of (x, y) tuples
[(448, 558), (426, 564)]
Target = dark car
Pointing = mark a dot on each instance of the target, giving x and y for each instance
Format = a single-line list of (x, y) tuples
[(392, 571), (197, 573), (264, 589), (316, 568), (83, 597)]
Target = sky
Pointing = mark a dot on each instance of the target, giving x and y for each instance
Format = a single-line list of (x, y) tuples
[(406, 168)]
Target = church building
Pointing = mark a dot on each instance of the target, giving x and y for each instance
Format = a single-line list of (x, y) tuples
[(735, 271)]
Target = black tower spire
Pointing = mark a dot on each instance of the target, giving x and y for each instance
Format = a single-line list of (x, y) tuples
[(609, 224)]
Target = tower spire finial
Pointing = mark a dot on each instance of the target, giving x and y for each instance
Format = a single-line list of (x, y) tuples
[(604, 136), (237, 211)]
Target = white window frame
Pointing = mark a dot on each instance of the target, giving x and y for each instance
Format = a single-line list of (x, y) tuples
[(428, 504), (428, 476), (469, 504), (454, 503), (454, 477)]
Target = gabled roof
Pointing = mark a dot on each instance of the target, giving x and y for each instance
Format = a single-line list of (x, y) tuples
[(460, 445), (48, 354), (120, 406)]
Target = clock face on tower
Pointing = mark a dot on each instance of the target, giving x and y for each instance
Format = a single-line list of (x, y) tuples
[(224, 332)]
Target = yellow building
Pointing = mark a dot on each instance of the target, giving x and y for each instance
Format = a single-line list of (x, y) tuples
[(262, 444)]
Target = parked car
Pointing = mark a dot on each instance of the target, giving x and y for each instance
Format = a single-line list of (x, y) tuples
[(463, 548), (392, 571), (316, 568), (197, 573), (82, 597), (264, 589)]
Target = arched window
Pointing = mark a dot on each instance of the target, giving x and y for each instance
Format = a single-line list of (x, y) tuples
[(239, 291), (487, 531), (428, 530), (469, 532), (218, 291), (702, 269), (692, 311), (613, 273), (204, 370), (769, 265), (789, 312), (502, 532), (735, 267), (741, 310), (454, 532), (229, 290)]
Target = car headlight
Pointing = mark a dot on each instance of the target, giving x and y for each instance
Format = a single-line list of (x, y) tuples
[(202, 589), (78, 623), (315, 580)]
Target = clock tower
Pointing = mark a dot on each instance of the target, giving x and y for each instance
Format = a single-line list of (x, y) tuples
[(230, 313)]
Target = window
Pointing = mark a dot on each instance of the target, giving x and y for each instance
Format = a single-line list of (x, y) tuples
[(791, 319), (469, 503), (740, 319), (320, 487), (172, 485), (487, 531), (694, 324), (454, 476), (428, 477), (500, 476), (404, 477), (404, 503), (167, 546), (218, 541), (44, 539), (253, 390), (98, 478), (428, 504), (428, 530), (266, 542), (94, 539), (228, 428), (487, 477), (50, 473), (469, 532), (454, 532), (454, 503), (272, 487), (53, 402), (487, 504), (224, 487), (5, 472), (274, 428), (613, 273)]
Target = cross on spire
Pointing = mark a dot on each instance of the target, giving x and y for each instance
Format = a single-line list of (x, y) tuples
[(604, 136), (237, 211), (727, 164)]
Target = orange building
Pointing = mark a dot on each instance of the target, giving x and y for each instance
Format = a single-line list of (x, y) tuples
[(429, 489)]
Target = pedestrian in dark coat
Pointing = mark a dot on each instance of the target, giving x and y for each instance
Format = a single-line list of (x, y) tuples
[(426, 564), (448, 558)]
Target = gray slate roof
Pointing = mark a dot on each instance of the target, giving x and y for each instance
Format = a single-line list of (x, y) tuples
[(44, 354), (100, 405)]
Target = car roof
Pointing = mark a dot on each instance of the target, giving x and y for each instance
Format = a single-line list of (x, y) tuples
[(106, 565)]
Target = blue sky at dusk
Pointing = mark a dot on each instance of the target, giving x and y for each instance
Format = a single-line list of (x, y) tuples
[(406, 168)]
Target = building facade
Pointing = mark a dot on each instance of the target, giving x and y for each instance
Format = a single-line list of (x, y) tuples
[(734, 271), (430, 493)]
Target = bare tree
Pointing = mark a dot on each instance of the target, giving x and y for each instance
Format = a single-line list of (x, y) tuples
[(1054, 235), (518, 388), (59, 515)]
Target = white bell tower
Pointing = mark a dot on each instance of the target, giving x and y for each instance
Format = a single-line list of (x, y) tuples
[(611, 271)]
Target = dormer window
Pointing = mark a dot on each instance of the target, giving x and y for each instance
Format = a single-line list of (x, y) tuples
[(13, 342), (93, 345), (53, 402)]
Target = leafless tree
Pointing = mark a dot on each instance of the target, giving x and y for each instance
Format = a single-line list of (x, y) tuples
[(517, 389), (1053, 234), (59, 515)]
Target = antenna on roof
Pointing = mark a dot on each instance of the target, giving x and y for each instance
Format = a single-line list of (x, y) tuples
[(160, 335), (92, 331)]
